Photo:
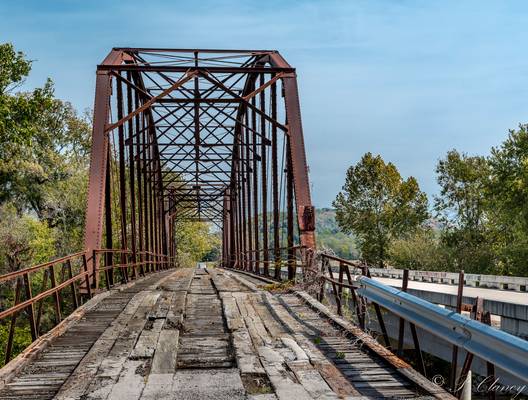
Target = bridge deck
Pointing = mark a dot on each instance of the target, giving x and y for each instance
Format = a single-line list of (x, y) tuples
[(196, 334)]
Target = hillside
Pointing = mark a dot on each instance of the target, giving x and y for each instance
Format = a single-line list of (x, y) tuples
[(330, 236)]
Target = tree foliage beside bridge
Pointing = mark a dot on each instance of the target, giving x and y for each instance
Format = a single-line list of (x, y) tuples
[(44, 159), (377, 205), (479, 219), (44, 150)]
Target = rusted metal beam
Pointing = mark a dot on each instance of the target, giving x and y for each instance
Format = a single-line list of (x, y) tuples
[(188, 134)]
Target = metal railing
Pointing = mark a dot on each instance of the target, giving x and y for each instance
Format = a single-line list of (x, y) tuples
[(121, 265), (476, 336), (67, 281), (290, 258), (506, 351)]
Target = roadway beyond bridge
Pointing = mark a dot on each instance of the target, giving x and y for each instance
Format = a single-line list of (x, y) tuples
[(207, 334)]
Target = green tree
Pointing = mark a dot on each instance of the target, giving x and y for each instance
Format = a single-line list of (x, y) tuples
[(44, 148), (194, 242), (58, 149), (508, 194), (19, 116), (378, 206), (462, 207), (421, 250), (25, 240), (14, 68)]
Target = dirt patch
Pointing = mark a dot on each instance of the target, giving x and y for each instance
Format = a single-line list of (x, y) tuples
[(256, 384), (144, 368), (149, 324), (173, 323)]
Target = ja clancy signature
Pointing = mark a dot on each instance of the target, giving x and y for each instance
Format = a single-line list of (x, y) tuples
[(483, 385)]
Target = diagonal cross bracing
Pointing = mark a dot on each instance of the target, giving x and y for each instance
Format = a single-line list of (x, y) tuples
[(198, 135)]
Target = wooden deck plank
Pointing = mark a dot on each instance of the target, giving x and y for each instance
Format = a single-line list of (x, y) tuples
[(66, 352), (206, 335)]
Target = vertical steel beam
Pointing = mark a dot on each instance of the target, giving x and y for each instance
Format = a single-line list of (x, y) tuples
[(239, 223), (289, 211), (241, 177), (226, 229), (155, 215), (256, 268), (299, 167), (152, 237), (249, 198), (197, 132), (305, 210), (131, 181), (108, 223), (264, 180), (98, 165), (138, 124), (232, 223), (275, 184), (122, 181), (146, 195)]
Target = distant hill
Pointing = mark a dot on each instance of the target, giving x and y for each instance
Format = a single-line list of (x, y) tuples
[(328, 235)]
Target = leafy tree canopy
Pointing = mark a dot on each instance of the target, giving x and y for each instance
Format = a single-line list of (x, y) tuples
[(195, 242), (508, 198), (462, 208), (509, 177), (462, 180), (43, 142), (378, 205), (44, 147)]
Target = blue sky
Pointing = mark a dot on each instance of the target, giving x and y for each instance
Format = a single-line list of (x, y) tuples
[(405, 79)]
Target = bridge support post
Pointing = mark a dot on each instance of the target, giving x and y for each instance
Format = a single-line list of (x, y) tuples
[(299, 167), (98, 161), (98, 172), (264, 183)]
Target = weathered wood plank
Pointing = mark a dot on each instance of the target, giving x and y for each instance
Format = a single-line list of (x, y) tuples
[(247, 360), (95, 330), (208, 384), (110, 368), (284, 386), (166, 352), (131, 382), (311, 380), (148, 340), (159, 387)]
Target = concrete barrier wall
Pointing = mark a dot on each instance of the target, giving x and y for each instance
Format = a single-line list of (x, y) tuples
[(515, 283)]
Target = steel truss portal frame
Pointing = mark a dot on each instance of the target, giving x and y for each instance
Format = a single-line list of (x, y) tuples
[(194, 134)]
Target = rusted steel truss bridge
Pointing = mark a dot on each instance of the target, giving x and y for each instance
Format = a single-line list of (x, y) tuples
[(214, 135)]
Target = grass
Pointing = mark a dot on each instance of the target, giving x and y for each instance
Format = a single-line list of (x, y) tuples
[(280, 287)]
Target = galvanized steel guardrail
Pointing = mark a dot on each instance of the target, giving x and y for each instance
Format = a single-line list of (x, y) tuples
[(506, 351)]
